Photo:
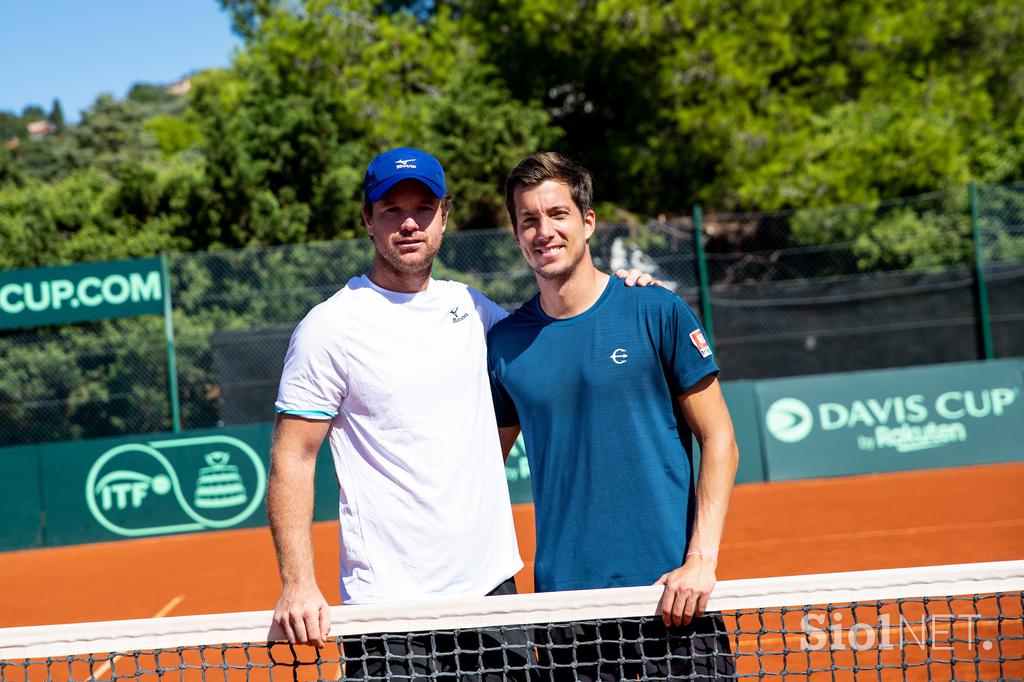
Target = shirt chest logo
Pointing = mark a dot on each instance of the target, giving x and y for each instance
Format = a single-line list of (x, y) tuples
[(619, 356), (456, 318)]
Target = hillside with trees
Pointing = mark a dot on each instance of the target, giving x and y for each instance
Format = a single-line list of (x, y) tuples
[(739, 106), (825, 113)]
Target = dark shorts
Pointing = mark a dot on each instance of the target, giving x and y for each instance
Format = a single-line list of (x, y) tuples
[(443, 655), (628, 649)]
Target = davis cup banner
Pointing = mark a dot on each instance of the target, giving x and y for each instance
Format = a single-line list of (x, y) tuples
[(893, 420), (80, 293)]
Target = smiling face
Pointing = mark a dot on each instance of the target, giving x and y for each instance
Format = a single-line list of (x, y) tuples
[(551, 232), (406, 226)]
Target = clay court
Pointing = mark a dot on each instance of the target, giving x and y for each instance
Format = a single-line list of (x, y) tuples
[(941, 516)]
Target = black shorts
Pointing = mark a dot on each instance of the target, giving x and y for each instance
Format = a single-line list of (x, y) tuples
[(443, 655), (628, 649)]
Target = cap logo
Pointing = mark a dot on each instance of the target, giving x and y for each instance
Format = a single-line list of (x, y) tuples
[(403, 163)]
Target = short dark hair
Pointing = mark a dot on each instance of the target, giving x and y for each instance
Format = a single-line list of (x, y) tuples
[(446, 206), (543, 166)]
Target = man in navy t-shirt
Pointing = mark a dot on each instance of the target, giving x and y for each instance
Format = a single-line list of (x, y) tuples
[(608, 385)]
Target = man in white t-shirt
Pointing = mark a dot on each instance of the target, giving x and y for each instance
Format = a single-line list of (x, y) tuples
[(393, 370)]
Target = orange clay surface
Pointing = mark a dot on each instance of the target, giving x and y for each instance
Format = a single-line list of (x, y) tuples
[(941, 516)]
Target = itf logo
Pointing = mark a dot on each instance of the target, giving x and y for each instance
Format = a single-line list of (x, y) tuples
[(789, 420), (175, 486)]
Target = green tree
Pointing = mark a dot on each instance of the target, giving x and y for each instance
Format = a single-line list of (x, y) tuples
[(155, 96), (33, 112), (10, 170), (246, 15), (755, 105), (111, 133), (323, 86), (57, 115), (49, 158), (173, 134), (11, 125)]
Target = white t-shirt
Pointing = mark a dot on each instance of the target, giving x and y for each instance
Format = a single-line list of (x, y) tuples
[(423, 503)]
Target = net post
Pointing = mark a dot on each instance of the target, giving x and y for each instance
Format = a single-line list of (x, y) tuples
[(172, 365), (702, 273), (984, 321)]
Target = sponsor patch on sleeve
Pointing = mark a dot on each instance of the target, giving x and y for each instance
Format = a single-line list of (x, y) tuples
[(700, 343)]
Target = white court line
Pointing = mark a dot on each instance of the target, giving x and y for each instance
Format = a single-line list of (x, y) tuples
[(103, 669), (881, 533)]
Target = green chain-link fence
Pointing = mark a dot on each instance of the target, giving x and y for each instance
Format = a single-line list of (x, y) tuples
[(838, 289), (1001, 228), (799, 292)]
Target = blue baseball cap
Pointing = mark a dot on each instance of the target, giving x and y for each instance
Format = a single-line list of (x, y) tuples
[(404, 163)]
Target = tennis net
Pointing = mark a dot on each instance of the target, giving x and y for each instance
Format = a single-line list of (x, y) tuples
[(937, 623)]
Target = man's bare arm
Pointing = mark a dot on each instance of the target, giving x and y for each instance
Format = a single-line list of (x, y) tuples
[(507, 435), (688, 588), (708, 417), (301, 612)]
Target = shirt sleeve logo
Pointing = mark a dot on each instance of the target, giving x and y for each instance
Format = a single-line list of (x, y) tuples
[(700, 343)]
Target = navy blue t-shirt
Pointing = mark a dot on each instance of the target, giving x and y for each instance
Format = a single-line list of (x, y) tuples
[(608, 447)]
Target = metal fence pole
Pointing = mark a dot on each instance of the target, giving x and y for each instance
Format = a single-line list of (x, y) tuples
[(702, 273), (172, 365), (984, 321)]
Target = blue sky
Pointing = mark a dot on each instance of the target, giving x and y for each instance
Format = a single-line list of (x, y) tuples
[(76, 49)]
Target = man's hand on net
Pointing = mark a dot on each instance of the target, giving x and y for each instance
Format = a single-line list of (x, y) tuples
[(687, 590), (303, 615), (636, 278)]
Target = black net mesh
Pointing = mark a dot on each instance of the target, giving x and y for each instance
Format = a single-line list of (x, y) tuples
[(972, 637)]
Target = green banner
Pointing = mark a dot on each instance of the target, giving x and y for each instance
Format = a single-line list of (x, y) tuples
[(160, 484), (893, 420), (79, 293), (831, 425), (21, 512), (742, 403)]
